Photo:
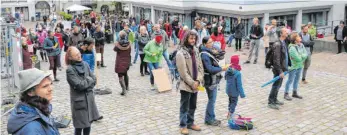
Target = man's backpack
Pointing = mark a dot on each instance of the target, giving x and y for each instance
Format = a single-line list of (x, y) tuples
[(269, 57)]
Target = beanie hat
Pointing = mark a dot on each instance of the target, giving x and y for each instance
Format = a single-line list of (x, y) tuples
[(30, 78), (234, 62), (158, 38)]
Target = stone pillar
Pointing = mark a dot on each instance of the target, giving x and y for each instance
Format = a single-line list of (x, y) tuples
[(266, 19), (152, 15), (298, 21), (131, 10)]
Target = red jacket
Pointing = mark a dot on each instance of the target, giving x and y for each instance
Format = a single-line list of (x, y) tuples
[(59, 36), (219, 38), (168, 29)]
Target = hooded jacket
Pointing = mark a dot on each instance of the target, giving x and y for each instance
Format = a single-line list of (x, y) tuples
[(212, 75), (165, 41), (152, 48), (27, 120), (297, 56), (89, 58), (142, 41), (234, 86), (123, 58)]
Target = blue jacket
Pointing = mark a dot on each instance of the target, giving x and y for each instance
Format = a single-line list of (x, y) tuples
[(234, 86), (210, 66), (90, 59), (48, 45), (27, 120), (212, 70)]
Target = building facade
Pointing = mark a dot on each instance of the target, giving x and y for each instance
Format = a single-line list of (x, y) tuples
[(295, 13)]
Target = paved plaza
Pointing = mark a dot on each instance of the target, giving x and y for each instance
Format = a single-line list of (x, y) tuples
[(143, 111)]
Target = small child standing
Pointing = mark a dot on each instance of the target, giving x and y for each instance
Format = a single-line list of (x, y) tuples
[(234, 87)]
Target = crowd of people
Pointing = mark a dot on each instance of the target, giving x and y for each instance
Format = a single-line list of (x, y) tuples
[(196, 60)]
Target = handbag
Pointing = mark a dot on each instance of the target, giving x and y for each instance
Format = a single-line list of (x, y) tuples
[(240, 123), (61, 121)]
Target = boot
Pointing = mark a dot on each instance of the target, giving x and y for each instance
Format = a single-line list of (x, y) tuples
[(126, 80), (122, 84), (287, 97), (295, 95)]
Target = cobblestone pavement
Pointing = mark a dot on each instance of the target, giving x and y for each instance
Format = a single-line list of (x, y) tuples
[(142, 111)]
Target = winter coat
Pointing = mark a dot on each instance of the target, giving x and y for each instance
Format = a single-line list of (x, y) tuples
[(212, 71), (59, 36), (184, 65), (257, 30), (168, 29), (99, 38), (201, 34), (142, 41), (272, 33), (238, 30), (279, 58), (27, 120), (123, 58), (234, 86), (48, 45), (344, 32), (152, 48), (297, 55), (27, 62), (41, 37), (75, 39), (165, 41), (219, 38), (130, 35), (83, 106), (89, 58)]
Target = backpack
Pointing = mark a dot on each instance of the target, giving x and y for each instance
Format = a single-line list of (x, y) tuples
[(240, 123), (269, 57)]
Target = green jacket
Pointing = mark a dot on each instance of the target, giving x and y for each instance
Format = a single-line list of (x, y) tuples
[(312, 31), (298, 55), (152, 48)]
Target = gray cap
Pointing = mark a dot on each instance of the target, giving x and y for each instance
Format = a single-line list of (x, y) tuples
[(30, 78)]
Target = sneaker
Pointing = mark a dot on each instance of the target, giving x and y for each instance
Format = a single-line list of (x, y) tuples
[(247, 62), (194, 127), (295, 95), (279, 103), (184, 131), (255, 62), (287, 97), (142, 74), (56, 80), (305, 82), (153, 87), (273, 106), (213, 123), (147, 73)]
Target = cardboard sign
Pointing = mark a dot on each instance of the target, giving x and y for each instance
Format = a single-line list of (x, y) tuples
[(98, 56), (162, 80)]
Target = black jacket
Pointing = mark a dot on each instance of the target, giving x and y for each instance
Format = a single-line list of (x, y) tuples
[(99, 38), (256, 30), (344, 31), (279, 61)]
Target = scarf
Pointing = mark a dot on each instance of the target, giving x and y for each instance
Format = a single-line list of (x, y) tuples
[(79, 66)]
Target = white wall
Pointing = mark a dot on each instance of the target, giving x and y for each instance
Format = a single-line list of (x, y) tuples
[(336, 14)]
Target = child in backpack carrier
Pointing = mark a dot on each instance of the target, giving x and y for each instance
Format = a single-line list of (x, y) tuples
[(234, 87)]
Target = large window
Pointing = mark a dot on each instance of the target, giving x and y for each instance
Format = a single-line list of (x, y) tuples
[(316, 18)]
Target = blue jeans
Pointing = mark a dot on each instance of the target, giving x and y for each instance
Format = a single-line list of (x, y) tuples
[(294, 75), (230, 39), (232, 104), (168, 61), (209, 113), (136, 51), (174, 37), (187, 108), (151, 67)]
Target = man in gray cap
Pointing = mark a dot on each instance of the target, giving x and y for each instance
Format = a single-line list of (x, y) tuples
[(32, 114)]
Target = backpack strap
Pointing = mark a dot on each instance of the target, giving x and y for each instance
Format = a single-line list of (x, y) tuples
[(209, 56)]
